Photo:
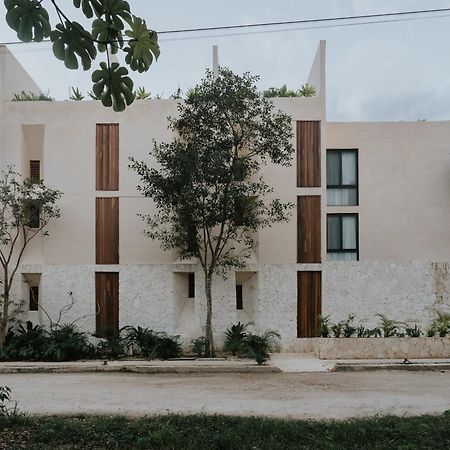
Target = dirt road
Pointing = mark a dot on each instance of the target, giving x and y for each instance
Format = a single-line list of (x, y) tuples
[(313, 395)]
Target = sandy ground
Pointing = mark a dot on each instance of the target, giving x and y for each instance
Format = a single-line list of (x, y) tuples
[(306, 395)]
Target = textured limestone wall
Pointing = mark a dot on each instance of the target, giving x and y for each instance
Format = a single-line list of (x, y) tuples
[(409, 292), (156, 296)]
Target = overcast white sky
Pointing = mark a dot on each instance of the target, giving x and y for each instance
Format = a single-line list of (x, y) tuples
[(388, 71)]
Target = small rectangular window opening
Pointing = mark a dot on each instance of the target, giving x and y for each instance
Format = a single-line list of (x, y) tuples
[(239, 298), (191, 285), (34, 298), (35, 171)]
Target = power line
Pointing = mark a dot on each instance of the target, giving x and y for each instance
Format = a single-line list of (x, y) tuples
[(294, 22)]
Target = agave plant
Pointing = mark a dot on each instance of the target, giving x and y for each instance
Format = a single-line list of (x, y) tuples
[(76, 95), (32, 97), (389, 326), (141, 94)]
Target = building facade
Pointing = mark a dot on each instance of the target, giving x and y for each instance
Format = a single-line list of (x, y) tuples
[(370, 233)]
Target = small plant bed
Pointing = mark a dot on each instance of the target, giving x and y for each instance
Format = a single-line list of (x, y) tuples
[(219, 432)]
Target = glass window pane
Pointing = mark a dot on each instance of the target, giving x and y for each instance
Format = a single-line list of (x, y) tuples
[(344, 256), (342, 197), (333, 168), (333, 233), (348, 167), (349, 232)]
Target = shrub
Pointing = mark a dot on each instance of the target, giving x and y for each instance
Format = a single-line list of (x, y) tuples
[(31, 97), (111, 348), (27, 343), (324, 326), (348, 330), (440, 325), (363, 332), (235, 338), (67, 343), (336, 329), (389, 326), (413, 332), (258, 347), (152, 344), (198, 346)]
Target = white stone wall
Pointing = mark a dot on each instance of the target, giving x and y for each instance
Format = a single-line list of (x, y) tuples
[(156, 296)]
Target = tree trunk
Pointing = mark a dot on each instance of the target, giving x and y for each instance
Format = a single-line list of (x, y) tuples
[(4, 320), (209, 338)]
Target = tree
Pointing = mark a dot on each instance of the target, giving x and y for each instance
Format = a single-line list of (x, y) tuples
[(114, 28), (26, 208), (208, 192)]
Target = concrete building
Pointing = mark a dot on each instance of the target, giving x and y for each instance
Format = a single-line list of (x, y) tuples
[(371, 232)]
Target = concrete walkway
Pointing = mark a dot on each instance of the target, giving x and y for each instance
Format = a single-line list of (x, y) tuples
[(280, 362)]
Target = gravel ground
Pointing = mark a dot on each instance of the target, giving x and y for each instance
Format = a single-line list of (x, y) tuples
[(303, 395)]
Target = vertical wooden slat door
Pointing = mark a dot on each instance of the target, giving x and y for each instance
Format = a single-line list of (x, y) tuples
[(309, 303), (107, 157), (107, 230), (308, 153), (107, 303), (308, 229)]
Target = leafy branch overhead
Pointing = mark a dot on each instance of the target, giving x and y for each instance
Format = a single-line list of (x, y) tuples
[(114, 28)]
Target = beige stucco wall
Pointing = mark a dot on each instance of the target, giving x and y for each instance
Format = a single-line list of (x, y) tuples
[(404, 188)]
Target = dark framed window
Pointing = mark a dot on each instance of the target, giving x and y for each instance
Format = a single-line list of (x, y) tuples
[(191, 285), (34, 298), (342, 177), (342, 237), (35, 171), (239, 298)]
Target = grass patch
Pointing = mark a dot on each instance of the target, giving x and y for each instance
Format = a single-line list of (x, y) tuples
[(221, 432)]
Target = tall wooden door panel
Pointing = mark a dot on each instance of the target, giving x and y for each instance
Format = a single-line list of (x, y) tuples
[(107, 230), (107, 157), (308, 229), (309, 303), (107, 303), (308, 153)]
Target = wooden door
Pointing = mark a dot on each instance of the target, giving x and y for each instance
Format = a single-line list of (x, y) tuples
[(107, 230), (107, 303), (308, 153), (107, 157), (309, 303)]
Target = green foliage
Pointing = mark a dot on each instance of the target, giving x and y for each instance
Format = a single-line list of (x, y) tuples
[(8, 414), (388, 326), (76, 95), (363, 332), (111, 21), (336, 329), (113, 86), (348, 329), (226, 128), (305, 91), (324, 326), (93, 96), (31, 97), (151, 344), (258, 347), (141, 94), (73, 44), (27, 344), (198, 346), (29, 19), (413, 332), (111, 348), (142, 46), (215, 432), (235, 338), (440, 325)]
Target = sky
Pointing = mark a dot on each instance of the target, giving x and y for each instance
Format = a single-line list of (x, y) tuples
[(376, 72)]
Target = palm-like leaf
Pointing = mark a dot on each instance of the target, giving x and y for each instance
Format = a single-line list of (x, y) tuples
[(29, 19), (72, 40), (104, 32), (116, 11), (143, 45), (89, 7), (113, 86)]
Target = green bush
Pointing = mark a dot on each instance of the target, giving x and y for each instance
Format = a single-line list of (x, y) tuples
[(440, 325), (111, 348), (324, 326), (413, 332), (198, 346), (258, 347), (27, 343), (235, 337)]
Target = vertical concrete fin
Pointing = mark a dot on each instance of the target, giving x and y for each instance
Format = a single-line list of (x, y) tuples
[(317, 74), (215, 61), (13, 77)]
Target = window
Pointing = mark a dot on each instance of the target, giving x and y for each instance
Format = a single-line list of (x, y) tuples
[(34, 298), (342, 177), (32, 214), (239, 298), (107, 157), (35, 171), (342, 237), (191, 285)]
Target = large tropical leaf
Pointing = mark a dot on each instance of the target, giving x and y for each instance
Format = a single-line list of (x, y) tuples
[(71, 41), (116, 11), (113, 86), (89, 7), (104, 32), (29, 19), (142, 47)]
